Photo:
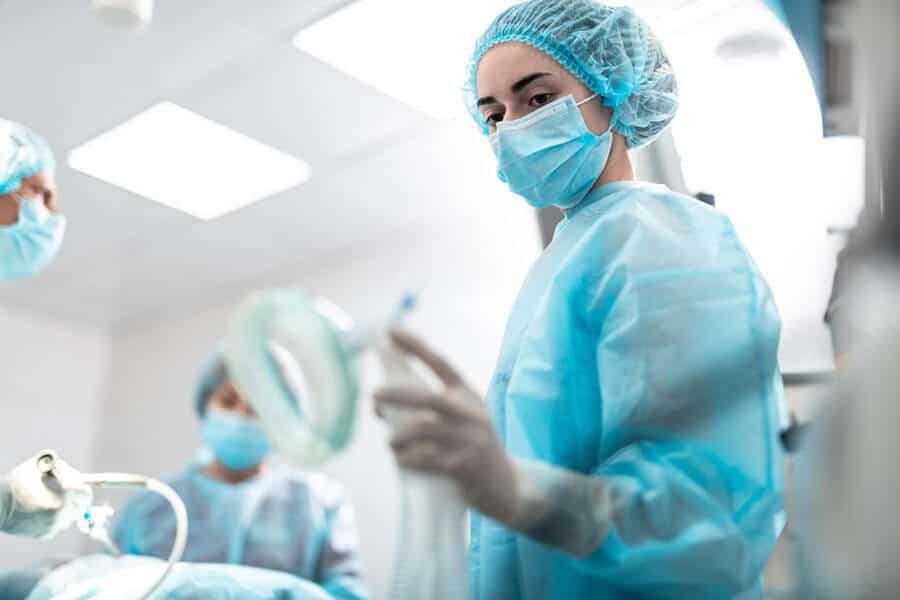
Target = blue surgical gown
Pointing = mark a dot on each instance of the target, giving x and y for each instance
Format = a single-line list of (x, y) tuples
[(283, 520), (103, 576), (642, 349)]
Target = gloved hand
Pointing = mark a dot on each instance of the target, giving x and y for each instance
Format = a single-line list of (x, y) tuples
[(450, 434), (40, 505)]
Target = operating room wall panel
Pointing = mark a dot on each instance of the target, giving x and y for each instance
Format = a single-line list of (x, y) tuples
[(54, 378)]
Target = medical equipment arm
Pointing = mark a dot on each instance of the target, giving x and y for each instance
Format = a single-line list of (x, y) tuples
[(114, 480), (39, 502)]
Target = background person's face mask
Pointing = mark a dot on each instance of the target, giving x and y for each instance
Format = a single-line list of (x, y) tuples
[(238, 442), (550, 157), (30, 245)]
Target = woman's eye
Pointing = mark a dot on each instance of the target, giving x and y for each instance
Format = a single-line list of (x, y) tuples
[(540, 99), (494, 118)]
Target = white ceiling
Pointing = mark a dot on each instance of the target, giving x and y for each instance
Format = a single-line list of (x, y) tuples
[(375, 161), (126, 256)]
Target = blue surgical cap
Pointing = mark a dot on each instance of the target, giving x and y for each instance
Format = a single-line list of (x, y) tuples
[(610, 49), (23, 154), (212, 374)]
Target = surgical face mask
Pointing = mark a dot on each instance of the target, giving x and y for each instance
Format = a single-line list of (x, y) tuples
[(550, 157), (30, 245), (238, 442)]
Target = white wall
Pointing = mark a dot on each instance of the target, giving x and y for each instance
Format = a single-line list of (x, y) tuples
[(805, 401), (771, 171), (467, 275), (54, 379)]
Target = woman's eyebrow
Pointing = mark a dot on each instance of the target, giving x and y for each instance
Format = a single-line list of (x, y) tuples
[(516, 87)]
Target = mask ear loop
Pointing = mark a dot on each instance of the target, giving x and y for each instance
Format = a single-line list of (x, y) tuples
[(588, 99)]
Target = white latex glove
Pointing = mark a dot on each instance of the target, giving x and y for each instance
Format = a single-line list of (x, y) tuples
[(450, 434), (40, 505)]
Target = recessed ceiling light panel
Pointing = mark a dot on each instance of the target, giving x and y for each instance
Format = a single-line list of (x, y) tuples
[(188, 162)]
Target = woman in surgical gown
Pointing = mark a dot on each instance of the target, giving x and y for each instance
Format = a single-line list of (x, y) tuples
[(629, 444)]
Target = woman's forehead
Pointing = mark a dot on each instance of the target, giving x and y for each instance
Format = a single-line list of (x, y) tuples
[(505, 64)]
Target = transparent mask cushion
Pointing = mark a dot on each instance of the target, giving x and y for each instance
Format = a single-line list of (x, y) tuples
[(294, 367)]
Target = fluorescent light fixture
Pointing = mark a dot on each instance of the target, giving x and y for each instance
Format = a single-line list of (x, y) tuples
[(188, 162), (412, 50)]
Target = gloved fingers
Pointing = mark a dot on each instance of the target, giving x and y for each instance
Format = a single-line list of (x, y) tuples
[(413, 345), (415, 398), (421, 456), (419, 430), (467, 398), (433, 458)]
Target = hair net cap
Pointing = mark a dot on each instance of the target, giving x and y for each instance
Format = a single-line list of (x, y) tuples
[(212, 374), (610, 49), (23, 154)]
